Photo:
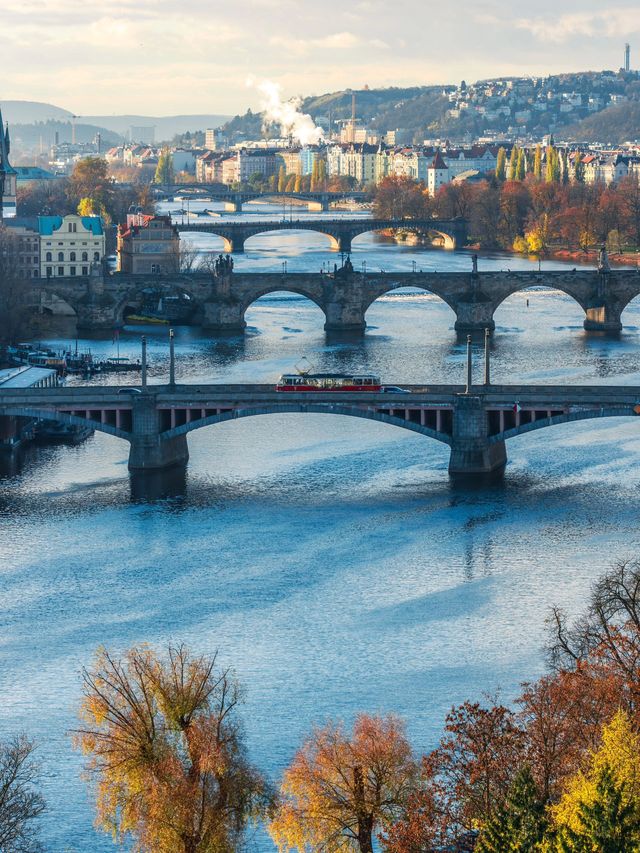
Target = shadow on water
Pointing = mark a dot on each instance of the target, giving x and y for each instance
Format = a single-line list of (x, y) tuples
[(152, 486)]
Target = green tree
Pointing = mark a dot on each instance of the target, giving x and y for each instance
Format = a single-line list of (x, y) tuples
[(537, 163), (578, 169), (314, 174), (513, 163), (164, 170), (501, 165), (552, 173), (90, 180), (520, 165), (520, 824), (322, 175), (608, 824)]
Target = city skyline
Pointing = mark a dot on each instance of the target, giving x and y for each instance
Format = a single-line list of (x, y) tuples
[(152, 58)]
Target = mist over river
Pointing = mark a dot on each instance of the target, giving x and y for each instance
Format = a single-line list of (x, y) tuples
[(329, 559)]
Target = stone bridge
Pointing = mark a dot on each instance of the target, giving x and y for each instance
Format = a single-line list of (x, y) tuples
[(340, 231), (100, 301), (235, 199), (475, 422)]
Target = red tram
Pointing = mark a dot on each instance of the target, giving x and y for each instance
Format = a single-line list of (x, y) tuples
[(301, 382)]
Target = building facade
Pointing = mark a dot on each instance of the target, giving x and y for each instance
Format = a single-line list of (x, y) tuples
[(70, 244), (148, 244)]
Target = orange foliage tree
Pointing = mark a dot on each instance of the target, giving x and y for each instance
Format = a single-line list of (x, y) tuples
[(165, 745), (340, 790)]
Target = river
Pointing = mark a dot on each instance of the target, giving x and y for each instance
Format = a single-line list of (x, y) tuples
[(329, 559)]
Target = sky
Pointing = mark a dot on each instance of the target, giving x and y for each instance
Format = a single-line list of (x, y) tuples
[(164, 57)]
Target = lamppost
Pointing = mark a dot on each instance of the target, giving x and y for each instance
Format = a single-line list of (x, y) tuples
[(284, 268)]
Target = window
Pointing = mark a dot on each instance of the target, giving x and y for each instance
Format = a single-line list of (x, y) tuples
[(73, 227), (35, 273), (49, 272), (72, 256), (85, 270), (155, 268), (72, 270), (60, 270), (85, 256), (96, 256), (61, 256)]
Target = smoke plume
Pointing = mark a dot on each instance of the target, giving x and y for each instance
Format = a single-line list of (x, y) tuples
[(287, 114)]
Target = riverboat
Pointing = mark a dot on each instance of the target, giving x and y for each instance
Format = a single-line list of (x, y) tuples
[(314, 382), (118, 364), (48, 358)]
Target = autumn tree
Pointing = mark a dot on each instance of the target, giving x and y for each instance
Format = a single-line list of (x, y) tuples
[(282, 179), (164, 742), (600, 810), (340, 789), (473, 767), (90, 180), (578, 169), (501, 165), (20, 801), (419, 828), (401, 198)]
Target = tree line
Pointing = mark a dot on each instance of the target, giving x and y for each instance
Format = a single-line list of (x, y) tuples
[(556, 772), (89, 190), (532, 215)]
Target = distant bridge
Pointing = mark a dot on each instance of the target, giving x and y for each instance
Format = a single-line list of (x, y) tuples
[(341, 231), (473, 422), (235, 199), (221, 301)]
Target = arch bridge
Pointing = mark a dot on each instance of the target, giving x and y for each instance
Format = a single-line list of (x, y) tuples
[(475, 422), (342, 231), (221, 300), (317, 200)]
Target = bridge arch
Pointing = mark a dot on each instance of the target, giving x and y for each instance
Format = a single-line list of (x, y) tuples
[(449, 241), (282, 288), (133, 294), (569, 417), (403, 286), (307, 408), (334, 240), (551, 285), (64, 418)]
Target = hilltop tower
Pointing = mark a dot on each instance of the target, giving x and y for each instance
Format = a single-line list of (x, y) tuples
[(627, 57), (8, 175)]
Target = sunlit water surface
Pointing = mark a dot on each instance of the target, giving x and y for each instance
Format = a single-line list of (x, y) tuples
[(330, 560)]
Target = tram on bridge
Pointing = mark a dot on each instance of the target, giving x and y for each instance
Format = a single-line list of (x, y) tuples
[(300, 382)]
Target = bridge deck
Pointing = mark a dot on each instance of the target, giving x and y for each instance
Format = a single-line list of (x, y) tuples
[(185, 395)]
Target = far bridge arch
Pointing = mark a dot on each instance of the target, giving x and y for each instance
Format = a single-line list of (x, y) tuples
[(335, 241)]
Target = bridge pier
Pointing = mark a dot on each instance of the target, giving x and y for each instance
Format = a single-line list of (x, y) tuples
[(472, 455), (149, 451), (234, 206), (474, 317), (603, 318), (344, 242)]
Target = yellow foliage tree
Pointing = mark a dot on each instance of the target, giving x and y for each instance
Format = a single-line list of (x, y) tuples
[(340, 790), (165, 747), (617, 759)]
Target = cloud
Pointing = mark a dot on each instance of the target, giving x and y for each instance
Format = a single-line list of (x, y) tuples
[(615, 22)]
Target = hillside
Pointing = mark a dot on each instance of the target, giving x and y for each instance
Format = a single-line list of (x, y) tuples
[(166, 126), (29, 112), (616, 124), (581, 105)]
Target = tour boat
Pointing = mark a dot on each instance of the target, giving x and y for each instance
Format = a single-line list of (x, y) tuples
[(301, 382), (47, 358)]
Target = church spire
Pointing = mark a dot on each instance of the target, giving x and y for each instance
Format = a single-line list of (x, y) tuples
[(7, 174)]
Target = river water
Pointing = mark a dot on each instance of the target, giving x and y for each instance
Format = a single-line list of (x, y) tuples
[(330, 560)]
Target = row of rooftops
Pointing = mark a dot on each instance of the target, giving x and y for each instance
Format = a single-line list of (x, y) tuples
[(46, 226)]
